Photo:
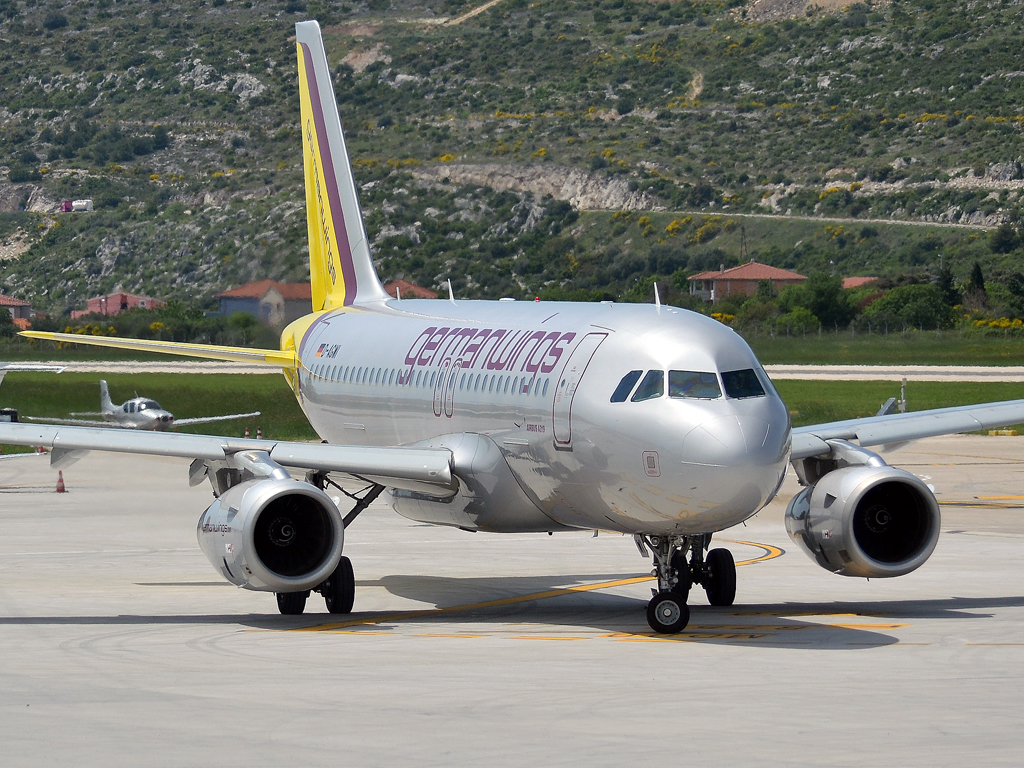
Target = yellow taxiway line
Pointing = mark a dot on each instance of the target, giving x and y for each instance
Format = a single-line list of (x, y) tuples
[(770, 552)]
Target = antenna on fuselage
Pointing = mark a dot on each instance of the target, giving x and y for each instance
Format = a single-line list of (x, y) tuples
[(451, 296), (657, 298)]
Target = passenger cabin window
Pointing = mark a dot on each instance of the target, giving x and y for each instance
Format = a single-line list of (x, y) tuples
[(743, 383), (625, 386), (695, 384), (652, 386)]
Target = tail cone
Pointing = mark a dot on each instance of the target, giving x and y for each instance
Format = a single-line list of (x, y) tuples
[(60, 482)]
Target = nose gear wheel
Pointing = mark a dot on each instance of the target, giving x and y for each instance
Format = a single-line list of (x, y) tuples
[(668, 613)]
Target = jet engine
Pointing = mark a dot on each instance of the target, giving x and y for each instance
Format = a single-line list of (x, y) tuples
[(870, 521), (273, 535)]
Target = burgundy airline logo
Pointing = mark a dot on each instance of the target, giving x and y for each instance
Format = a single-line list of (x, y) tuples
[(462, 350)]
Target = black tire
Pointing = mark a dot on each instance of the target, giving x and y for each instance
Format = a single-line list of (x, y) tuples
[(682, 587), (291, 603), (339, 590), (721, 583), (667, 613)]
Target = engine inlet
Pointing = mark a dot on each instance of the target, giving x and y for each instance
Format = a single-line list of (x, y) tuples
[(293, 535)]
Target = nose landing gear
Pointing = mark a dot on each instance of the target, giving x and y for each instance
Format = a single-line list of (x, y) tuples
[(667, 611)]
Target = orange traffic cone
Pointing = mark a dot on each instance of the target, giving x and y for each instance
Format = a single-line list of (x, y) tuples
[(60, 482), (246, 432), (259, 433)]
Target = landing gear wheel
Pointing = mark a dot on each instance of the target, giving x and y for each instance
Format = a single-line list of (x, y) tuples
[(681, 587), (721, 581), (339, 590), (291, 603), (667, 613)]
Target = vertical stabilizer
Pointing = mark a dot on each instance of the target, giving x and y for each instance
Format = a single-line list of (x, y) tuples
[(105, 405), (340, 266)]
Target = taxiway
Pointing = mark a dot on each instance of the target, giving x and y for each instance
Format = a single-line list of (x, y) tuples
[(120, 646)]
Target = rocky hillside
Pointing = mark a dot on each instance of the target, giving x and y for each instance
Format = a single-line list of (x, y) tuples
[(503, 148)]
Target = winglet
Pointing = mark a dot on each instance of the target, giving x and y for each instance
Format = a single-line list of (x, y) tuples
[(340, 265)]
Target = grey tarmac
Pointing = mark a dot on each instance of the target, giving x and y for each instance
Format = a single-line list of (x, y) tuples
[(119, 646)]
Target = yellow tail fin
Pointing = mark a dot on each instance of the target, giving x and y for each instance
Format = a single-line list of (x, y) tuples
[(340, 265)]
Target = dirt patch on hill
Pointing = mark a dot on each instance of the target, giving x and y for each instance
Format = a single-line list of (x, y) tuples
[(359, 61)]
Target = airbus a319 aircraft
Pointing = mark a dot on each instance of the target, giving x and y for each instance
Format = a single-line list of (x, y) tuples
[(138, 413), (522, 416)]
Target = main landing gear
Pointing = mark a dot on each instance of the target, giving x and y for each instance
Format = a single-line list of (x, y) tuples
[(339, 592), (339, 589), (667, 612)]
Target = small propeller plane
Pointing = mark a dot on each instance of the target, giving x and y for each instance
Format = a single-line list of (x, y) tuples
[(137, 413), (510, 416)]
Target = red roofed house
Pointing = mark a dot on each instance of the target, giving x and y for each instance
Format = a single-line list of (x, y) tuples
[(406, 290), (275, 304), (857, 282), (115, 303), (742, 280), (21, 311)]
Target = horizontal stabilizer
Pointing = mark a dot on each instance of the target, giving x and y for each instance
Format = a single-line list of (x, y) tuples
[(272, 357)]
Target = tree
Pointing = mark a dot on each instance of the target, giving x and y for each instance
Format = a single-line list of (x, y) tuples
[(918, 306), (1003, 239), (947, 284), (976, 283), (823, 295)]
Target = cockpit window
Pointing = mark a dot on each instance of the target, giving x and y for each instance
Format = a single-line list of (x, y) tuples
[(697, 384), (652, 386), (625, 386), (743, 383), (150, 404)]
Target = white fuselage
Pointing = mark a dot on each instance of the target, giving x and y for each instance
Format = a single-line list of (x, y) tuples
[(537, 380)]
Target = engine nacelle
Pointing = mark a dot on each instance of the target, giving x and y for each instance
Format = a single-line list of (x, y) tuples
[(273, 535), (874, 522)]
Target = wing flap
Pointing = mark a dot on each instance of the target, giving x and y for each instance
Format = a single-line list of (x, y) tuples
[(903, 427), (273, 357)]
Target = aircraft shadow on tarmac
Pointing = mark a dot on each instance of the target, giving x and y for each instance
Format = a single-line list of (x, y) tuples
[(469, 604)]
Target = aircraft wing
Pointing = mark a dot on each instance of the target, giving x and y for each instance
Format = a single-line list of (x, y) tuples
[(903, 427), (6, 368), (273, 357), (398, 466), (208, 419), (81, 422)]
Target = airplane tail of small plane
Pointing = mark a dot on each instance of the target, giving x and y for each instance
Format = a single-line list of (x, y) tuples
[(105, 403), (341, 268)]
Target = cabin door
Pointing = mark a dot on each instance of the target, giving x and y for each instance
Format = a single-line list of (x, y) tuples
[(568, 382)]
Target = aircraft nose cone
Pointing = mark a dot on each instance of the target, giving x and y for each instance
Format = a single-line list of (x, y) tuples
[(734, 461), (718, 442)]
